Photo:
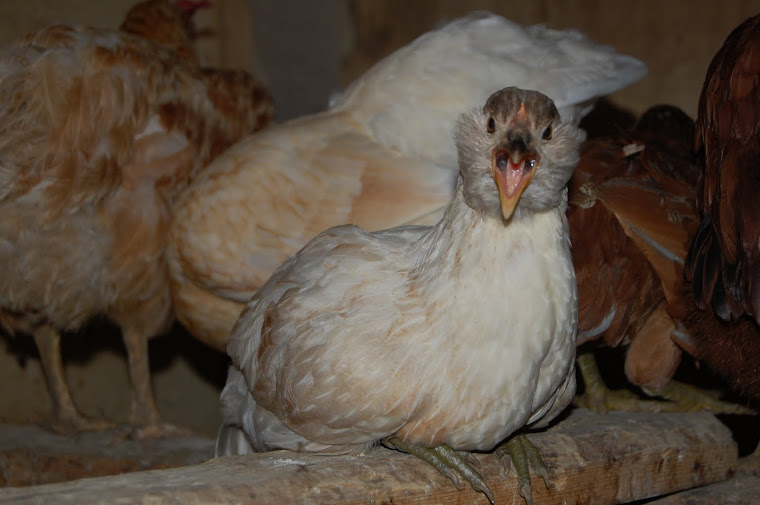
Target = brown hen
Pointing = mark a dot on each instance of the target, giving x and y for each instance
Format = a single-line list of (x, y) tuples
[(723, 266), (631, 216), (99, 131)]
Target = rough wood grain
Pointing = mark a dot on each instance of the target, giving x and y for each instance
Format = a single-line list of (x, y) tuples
[(742, 489), (591, 459), (31, 455)]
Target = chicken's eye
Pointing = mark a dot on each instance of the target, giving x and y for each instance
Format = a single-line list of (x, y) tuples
[(547, 133), (491, 125)]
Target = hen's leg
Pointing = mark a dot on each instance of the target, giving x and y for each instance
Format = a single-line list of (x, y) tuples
[(523, 454), (66, 417), (598, 398), (144, 416), (688, 398), (449, 462)]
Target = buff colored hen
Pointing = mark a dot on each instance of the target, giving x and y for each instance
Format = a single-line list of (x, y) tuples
[(99, 132), (431, 339), (379, 157)]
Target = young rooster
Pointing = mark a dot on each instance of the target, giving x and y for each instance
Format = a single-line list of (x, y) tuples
[(431, 340)]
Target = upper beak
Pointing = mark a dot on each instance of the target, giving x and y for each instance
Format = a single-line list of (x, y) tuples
[(513, 166)]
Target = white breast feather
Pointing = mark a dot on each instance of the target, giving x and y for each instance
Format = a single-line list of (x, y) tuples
[(368, 351)]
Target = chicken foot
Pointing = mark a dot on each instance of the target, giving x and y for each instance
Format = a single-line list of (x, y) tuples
[(689, 398), (523, 454), (446, 460), (600, 399), (66, 418), (678, 396)]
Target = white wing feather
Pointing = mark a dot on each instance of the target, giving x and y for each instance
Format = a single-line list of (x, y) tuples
[(381, 156)]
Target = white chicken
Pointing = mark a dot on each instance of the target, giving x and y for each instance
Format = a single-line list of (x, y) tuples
[(426, 338), (380, 156)]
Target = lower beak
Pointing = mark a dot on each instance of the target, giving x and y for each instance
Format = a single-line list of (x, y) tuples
[(512, 176)]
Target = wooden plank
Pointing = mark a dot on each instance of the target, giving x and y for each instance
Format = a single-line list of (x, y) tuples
[(742, 489), (31, 455), (591, 459)]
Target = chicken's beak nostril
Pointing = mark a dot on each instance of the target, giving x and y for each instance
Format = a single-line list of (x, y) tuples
[(502, 160)]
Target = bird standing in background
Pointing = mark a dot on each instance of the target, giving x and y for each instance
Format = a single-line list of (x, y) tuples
[(631, 217), (99, 132), (722, 300), (379, 157), (432, 340)]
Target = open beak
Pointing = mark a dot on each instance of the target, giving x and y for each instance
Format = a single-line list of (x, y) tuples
[(513, 169)]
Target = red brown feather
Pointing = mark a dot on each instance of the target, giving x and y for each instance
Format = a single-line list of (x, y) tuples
[(722, 298), (724, 262), (631, 215)]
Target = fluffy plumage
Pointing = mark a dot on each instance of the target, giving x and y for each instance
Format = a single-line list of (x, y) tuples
[(457, 334), (632, 215), (166, 22), (724, 261), (99, 131), (379, 157)]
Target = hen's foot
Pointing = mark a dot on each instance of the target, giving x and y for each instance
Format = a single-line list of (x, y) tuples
[(521, 452), (678, 396), (688, 398), (75, 424), (451, 463), (160, 430)]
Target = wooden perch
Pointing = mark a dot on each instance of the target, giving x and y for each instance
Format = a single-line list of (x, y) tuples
[(31, 455), (742, 489), (591, 459)]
